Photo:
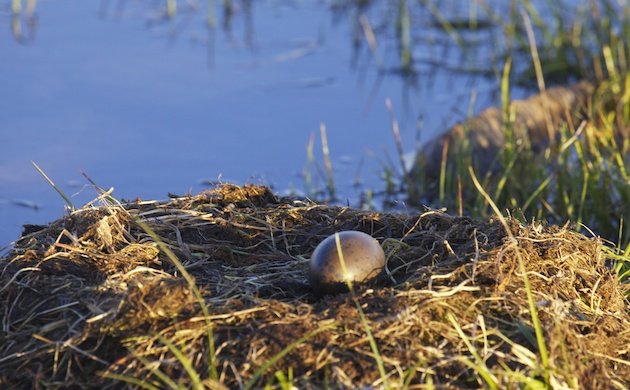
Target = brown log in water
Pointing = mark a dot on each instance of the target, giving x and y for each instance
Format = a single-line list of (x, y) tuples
[(536, 121)]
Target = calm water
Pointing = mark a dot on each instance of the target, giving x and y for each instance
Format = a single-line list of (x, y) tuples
[(151, 105)]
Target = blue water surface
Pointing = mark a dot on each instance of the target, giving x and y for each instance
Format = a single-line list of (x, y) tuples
[(152, 105)]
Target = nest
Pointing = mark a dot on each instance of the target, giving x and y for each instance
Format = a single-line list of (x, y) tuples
[(93, 300)]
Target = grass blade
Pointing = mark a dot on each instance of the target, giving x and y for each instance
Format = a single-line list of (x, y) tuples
[(262, 369), (327, 163), (186, 363), (155, 369), (193, 286), (131, 380), (480, 366), (364, 322), (53, 185), (537, 192), (533, 312)]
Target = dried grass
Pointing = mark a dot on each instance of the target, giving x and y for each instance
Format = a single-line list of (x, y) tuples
[(91, 293)]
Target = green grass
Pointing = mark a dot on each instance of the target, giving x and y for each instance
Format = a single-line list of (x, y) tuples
[(366, 325), (582, 175), (212, 367), (264, 368), (533, 312), (65, 198), (479, 366), (583, 180)]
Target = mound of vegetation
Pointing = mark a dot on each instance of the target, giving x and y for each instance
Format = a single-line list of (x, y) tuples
[(212, 291)]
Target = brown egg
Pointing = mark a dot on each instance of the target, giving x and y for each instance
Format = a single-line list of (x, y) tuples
[(363, 257)]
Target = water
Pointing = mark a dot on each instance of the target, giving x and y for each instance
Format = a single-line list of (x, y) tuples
[(151, 105)]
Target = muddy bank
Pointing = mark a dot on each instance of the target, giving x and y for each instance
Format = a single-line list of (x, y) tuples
[(91, 299), (534, 121)]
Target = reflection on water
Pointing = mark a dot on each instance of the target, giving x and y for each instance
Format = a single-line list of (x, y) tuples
[(23, 21), (159, 96)]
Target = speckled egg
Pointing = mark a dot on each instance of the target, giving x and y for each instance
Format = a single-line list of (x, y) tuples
[(363, 257)]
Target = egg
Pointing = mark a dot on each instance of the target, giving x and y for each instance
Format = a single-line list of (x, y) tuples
[(363, 258)]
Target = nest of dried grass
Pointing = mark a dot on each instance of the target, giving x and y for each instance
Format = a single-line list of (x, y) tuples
[(92, 293)]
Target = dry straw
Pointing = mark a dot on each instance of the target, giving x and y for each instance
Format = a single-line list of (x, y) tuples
[(91, 300)]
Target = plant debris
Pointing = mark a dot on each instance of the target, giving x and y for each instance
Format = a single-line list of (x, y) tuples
[(90, 300)]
